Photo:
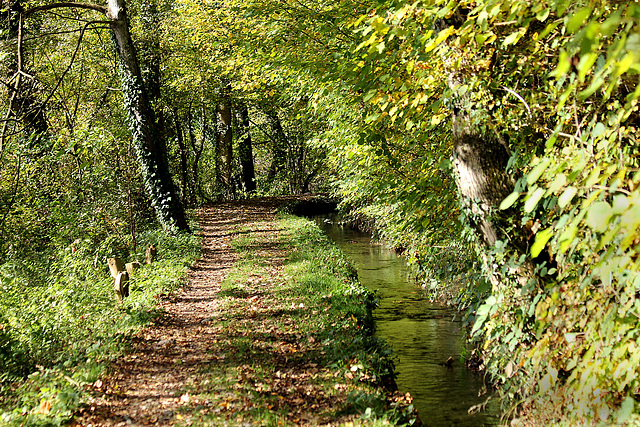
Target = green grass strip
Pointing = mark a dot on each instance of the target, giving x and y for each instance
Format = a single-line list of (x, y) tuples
[(296, 343)]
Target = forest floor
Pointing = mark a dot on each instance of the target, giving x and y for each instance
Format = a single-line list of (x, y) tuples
[(228, 356)]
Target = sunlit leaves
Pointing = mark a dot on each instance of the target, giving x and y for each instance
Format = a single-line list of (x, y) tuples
[(572, 67), (509, 200)]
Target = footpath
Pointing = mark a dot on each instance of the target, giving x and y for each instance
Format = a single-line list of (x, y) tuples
[(271, 329)]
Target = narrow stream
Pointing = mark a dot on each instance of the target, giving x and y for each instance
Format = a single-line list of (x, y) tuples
[(422, 335)]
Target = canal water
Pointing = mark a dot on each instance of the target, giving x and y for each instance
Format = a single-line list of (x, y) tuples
[(423, 335)]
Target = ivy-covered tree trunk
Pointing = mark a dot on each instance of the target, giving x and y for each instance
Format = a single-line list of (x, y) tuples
[(245, 152), (147, 137)]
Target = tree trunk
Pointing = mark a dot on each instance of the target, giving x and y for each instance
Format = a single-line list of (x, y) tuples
[(197, 154), (225, 145), (150, 57), (146, 134), (245, 152), (184, 159), (279, 139), (480, 163)]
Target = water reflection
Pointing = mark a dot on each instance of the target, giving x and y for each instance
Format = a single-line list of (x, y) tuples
[(422, 334)]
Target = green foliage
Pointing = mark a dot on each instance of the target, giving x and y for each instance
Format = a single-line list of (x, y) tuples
[(559, 82), (58, 331)]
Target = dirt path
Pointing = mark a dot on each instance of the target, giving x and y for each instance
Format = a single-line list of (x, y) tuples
[(147, 386)]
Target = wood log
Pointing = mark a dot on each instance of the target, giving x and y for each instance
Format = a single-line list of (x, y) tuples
[(151, 254), (131, 267), (115, 266), (121, 285)]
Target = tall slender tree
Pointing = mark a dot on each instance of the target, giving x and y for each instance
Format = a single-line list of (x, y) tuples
[(245, 151), (224, 142), (147, 136)]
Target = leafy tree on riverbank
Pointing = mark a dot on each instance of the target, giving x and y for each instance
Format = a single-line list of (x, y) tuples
[(542, 100)]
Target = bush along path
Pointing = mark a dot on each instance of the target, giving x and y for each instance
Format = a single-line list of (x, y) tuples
[(272, 329)]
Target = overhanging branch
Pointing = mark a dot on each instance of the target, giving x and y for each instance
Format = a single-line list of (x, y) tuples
[(89, 6)]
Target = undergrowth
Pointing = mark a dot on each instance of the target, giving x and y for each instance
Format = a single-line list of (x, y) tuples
[(60, 323)]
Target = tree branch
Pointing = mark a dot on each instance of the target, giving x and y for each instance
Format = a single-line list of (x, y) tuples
[(51, 6), (73, 57)]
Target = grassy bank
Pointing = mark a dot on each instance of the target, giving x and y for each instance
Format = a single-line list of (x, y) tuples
[(295, 341), (60, 324)]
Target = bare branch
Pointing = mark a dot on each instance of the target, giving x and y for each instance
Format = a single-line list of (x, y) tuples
[(73, 57), (61, 32), (7, 85), (46, 7)]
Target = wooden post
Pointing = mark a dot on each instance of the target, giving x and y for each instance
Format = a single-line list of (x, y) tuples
[(121, 285), (151, 254), (131, 267), (115, 266), (120, 278)]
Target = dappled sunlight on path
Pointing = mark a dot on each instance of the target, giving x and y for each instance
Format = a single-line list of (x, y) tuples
[(151, 383), (241, 343)]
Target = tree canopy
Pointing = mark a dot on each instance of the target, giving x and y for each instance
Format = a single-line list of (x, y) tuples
[(493, 141)]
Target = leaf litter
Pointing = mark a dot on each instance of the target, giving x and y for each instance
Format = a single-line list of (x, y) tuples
[(232, 354)]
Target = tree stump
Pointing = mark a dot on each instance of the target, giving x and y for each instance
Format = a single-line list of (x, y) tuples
[(151, 254)]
